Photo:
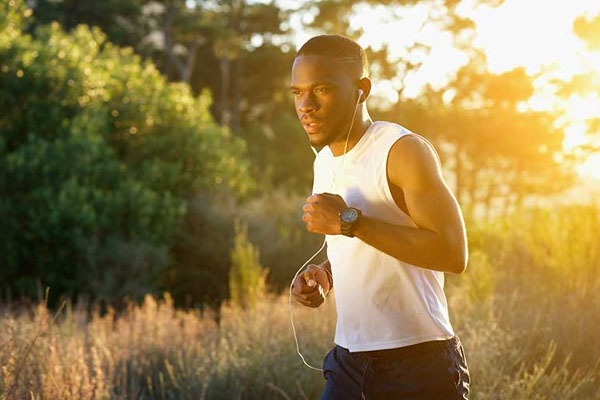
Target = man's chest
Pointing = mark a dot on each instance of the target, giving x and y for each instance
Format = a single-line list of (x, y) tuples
[(360, 184)]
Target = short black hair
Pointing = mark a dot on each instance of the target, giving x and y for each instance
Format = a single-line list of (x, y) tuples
[(341, 48)]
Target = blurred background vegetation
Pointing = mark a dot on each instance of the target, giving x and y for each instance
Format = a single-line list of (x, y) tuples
[(135, 132), (152, 146)]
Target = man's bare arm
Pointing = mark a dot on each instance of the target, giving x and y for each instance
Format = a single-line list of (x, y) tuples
[(439, 242)]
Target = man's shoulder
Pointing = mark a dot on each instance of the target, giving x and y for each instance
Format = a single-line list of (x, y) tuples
[(414, 145), (411, 142), (389, 131), (411, 158)]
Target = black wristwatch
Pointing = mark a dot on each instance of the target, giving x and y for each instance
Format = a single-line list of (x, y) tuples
[(348, 218)]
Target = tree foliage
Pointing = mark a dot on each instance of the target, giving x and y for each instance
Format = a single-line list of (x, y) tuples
[(107, 166), (497, 151), (96, 146)]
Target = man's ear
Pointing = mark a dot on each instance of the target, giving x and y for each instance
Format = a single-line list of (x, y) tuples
[(364, 87)]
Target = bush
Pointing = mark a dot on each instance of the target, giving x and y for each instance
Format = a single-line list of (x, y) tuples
[(246, 276), (96, 144)]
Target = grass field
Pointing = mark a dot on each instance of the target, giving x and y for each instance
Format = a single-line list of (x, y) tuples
[(527, 310)]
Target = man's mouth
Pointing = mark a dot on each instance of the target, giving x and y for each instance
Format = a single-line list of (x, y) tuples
[(312, 126)]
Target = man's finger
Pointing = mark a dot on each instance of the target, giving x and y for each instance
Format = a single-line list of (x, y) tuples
[(322, 279), (311, 304), (309, 277), (300, 284), (303, 290), (313, 296), (307, 207)]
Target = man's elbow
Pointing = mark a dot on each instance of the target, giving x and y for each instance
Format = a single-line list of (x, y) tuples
[(460, 258), (459, 269)]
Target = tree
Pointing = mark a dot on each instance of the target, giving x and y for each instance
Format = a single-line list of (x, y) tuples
[(96, 146), (121, 20), (499, 153), (585, 84)]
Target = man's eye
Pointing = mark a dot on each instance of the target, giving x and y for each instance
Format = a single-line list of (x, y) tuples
[(321, 90)]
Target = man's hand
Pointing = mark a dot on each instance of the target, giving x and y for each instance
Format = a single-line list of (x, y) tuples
[(321, 213), (309, 285)]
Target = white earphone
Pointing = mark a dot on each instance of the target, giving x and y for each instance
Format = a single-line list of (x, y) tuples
[(360, 93)]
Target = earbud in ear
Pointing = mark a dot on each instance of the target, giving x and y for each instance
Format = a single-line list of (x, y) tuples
[(360, 92)]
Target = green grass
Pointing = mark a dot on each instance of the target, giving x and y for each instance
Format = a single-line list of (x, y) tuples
[(527, 310)]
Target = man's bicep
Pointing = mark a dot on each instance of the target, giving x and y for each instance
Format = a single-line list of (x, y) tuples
[(433, 206), (415, 168)]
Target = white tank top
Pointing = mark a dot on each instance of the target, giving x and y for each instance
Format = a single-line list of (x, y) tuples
[(381, 302)]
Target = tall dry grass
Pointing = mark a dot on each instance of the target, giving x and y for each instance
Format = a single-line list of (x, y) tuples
[(527, 310)]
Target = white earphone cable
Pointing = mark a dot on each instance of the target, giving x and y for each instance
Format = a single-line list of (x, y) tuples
[(324, 240)]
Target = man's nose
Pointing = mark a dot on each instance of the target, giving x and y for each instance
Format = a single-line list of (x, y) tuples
[(307, 103)]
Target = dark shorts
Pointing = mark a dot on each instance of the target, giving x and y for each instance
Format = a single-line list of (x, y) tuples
[(435, 370)]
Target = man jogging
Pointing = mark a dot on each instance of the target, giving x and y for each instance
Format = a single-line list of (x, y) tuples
[(393, 228)]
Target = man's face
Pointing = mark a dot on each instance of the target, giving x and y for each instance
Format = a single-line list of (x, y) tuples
[(324, 97)]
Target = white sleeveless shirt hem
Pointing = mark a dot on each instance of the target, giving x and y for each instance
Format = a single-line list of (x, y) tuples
[(391, 344)]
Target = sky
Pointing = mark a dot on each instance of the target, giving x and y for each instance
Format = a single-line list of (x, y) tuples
[(536, 34)]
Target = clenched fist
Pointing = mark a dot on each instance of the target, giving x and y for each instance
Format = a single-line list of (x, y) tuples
[(322, 213), (309, 285)]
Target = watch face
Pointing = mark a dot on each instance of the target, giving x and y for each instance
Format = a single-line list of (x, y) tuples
[(349, 215)]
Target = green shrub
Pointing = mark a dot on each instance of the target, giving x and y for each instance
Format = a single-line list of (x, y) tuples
[(247, 277), (94, 144)]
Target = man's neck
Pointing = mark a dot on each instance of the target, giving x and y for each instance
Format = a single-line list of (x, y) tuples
[(358, 130)]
